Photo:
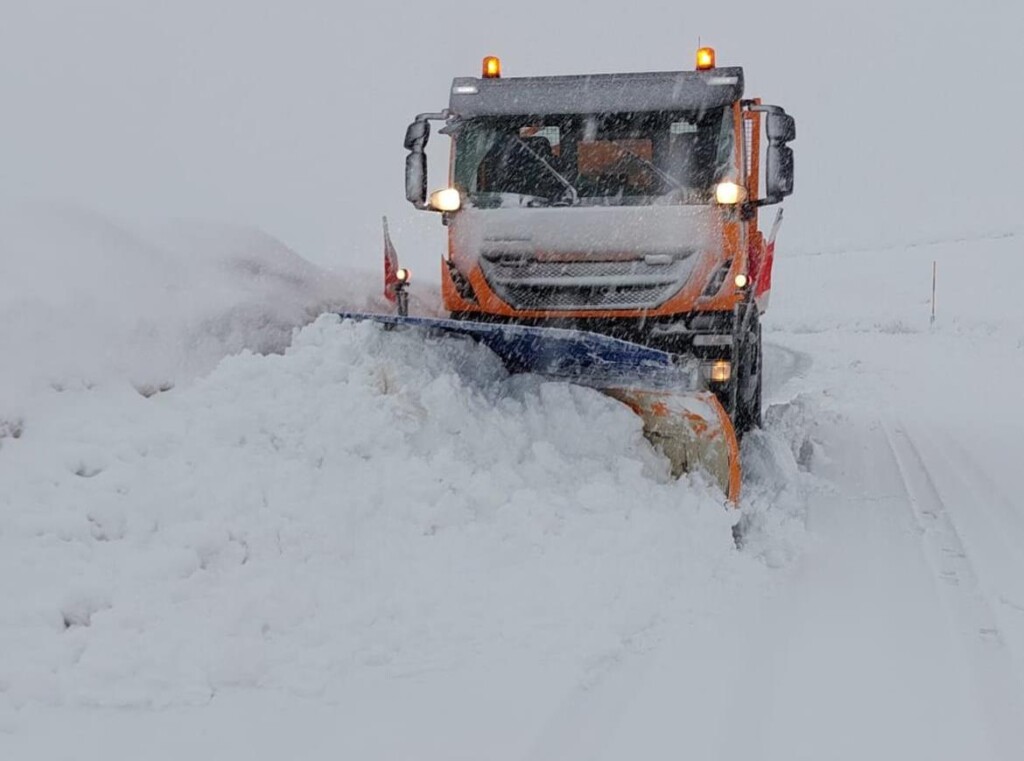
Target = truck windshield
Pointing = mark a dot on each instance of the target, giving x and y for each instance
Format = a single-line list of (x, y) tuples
[(594, 159)]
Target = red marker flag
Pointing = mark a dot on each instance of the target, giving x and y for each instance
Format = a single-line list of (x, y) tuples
[(763, 287), (390, 266)]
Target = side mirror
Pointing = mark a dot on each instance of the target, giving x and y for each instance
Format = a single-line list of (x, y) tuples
[(417, 134), (416, 179), (781, 128), (779, 176), (416, 137)]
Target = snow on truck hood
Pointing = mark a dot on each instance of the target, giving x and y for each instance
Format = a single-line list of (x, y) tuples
[(619, 257), (586, 231)]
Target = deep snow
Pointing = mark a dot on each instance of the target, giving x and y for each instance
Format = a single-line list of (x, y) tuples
[(365, 501), (371, 544), (359, 507)]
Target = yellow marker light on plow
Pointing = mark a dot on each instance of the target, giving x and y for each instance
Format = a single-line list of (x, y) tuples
[(720, 371)]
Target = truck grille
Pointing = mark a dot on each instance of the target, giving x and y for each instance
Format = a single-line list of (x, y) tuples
[(525, 282)]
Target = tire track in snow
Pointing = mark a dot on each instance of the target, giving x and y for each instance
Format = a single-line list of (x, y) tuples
[(990, 523), (990, 661), (1000, 513)]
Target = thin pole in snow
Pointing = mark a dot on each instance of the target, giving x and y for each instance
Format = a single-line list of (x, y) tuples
[(934, 272)]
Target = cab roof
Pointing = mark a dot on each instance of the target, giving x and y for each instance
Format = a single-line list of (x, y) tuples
[(596, 93)]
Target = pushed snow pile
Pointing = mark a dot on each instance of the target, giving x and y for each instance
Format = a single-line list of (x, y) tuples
[(84, 300), (369, 502)]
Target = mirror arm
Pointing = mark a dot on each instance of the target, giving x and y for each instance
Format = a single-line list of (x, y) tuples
[(766, 109), (433, 116)]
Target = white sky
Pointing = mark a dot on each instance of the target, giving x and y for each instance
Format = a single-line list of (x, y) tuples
[(290, 115)]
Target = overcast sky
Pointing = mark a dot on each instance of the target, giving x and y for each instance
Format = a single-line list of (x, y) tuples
[(290, 115)]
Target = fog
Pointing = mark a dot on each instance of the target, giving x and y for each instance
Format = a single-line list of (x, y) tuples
[(290, 116)]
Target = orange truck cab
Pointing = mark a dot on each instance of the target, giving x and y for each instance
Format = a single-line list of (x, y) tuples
[(623, 204)]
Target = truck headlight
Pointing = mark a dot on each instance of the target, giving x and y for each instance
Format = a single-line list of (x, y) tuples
[(445, 200), (729, 193)]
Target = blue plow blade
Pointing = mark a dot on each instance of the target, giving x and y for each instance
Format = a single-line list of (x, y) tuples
[(687, 424), (578, 356)]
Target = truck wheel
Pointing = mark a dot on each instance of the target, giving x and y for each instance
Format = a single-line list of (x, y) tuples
[(748, 397)]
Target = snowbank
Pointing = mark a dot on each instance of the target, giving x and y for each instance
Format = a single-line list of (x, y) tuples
[(85, 300), (365, 501), (318, 508), (203, 499)]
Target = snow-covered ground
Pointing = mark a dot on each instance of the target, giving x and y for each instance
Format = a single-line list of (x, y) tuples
[(370, 545), (908, 610)]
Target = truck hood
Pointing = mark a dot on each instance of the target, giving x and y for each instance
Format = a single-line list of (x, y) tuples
[(586, 232), (625, 257)]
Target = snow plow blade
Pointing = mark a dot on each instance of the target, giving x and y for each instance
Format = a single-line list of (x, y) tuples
[(692, 430), (684, 422)]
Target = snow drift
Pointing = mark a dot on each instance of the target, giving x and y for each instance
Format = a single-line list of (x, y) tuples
[(84, 299), (333, 504), (366, 500)]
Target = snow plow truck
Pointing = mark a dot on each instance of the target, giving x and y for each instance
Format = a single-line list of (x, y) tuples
[(604, 229)]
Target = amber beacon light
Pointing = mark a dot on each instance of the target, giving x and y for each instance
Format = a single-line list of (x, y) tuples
[(492, 67), (705, 59)]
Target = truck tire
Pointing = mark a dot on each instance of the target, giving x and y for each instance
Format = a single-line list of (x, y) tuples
[(749, 375)]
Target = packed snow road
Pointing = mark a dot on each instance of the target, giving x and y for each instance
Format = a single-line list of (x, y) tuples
[(374, 546), (901, 633)]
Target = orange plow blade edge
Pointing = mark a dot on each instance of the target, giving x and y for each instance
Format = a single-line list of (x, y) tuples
[(692, 430)]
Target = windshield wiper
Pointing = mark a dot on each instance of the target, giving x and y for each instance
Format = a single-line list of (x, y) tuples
[(573, 193)]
